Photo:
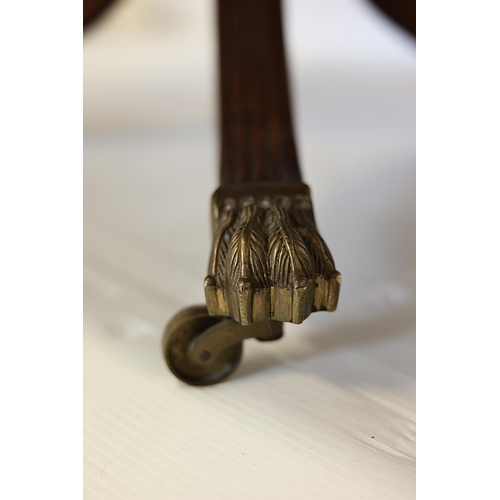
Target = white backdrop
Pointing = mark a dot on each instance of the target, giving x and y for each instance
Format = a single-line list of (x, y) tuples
[(329, 410)]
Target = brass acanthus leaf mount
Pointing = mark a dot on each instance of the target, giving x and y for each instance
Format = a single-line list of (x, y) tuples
[(268, 260)]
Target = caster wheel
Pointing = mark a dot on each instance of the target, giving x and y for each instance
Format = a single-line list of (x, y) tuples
[(184, 328)]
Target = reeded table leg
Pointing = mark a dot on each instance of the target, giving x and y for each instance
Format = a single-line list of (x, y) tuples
[(268, 263)]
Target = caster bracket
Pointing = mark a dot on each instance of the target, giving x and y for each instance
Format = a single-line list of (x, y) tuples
[(228, 332)]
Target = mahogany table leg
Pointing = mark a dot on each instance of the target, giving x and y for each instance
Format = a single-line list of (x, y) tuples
[(268, 262)]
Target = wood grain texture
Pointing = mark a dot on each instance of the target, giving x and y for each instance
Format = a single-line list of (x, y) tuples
[(255, 117)]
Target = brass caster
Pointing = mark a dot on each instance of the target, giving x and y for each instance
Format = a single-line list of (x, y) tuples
[(201, 349)]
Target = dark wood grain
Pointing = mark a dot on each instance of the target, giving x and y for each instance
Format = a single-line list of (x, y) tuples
[(257, 141)]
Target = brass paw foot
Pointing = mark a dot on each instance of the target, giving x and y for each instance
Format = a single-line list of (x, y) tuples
[(268, 260)]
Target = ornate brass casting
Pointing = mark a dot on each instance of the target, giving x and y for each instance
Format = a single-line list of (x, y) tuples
[(268, 260)]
